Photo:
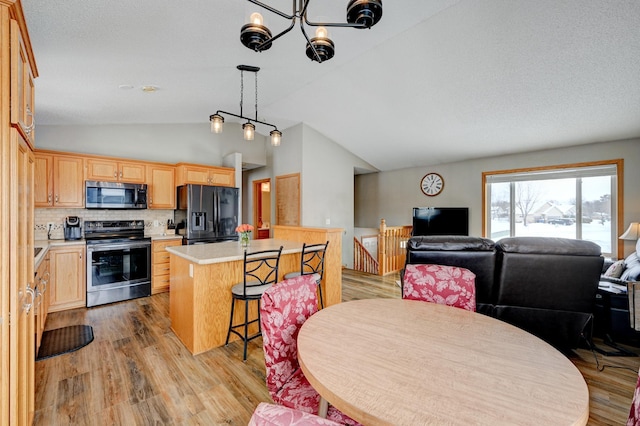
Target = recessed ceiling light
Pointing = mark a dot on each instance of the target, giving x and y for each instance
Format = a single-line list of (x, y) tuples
[(125, 87), (149, 89)]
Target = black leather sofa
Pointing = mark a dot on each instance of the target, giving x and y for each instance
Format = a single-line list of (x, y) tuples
[(546, 286)]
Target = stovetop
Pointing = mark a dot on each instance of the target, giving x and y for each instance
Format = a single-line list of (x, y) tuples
[(112, 229)]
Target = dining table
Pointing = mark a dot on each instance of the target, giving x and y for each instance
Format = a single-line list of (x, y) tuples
[(408, 362)]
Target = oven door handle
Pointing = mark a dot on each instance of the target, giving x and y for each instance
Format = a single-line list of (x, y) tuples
[(107, 247)]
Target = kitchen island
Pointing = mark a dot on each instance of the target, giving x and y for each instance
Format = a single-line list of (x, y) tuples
[(202, 276)]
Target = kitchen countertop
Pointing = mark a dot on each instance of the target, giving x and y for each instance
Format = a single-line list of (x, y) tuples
[(47, 244), (228, 251)]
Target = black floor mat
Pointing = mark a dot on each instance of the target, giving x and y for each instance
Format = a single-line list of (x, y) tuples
[(63, 340)]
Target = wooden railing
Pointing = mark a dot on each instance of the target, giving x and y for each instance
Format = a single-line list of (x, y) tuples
[(363, 260), (392, 242)]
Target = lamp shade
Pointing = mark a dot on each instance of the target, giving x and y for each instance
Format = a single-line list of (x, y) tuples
[(249, 131), (216, 123), (632, 233), (276, 137)]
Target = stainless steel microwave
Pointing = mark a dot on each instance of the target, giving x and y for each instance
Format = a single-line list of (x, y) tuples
[(115, 195)]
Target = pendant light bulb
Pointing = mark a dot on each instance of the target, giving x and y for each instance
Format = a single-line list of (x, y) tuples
[(216, 123), (249, 131), (321, 32), (256, 18), (276, 137)]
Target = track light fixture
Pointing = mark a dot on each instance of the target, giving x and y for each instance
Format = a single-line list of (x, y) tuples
[(248, 128), (360, 14)]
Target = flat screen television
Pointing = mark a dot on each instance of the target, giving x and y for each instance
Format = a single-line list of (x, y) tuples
[(440, 221)]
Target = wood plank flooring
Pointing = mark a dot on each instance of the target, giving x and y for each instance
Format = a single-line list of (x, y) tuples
[(136, 372)]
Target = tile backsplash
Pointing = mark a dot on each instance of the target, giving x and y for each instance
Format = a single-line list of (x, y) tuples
[(151, 217)]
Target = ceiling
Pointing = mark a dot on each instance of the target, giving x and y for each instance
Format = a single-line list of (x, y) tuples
[(434, 81)]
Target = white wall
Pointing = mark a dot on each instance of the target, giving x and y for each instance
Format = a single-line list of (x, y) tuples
[(169, 143), (392, 195), (326, 178)]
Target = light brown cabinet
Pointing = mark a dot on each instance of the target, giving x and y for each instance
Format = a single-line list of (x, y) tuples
[(17, 294), (160, 263), (203, 175), (42, 301), (22, 88), (115, 171), (59, 181), (68, 288), (161, 190)]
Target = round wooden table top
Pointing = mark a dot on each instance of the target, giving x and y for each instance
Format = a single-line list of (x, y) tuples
[(403, 362)]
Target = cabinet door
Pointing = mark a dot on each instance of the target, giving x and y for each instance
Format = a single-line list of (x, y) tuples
[(68, 182), (222, 177), (21, 283), (132, 172), (68, 288), (103, 170), (22, 89), (161, 190), (42, 298), (197, 175), (43, 181)]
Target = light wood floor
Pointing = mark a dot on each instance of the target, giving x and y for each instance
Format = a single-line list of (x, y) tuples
[(136, 372)]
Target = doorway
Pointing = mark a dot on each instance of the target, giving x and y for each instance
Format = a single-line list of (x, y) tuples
[(262, 208)]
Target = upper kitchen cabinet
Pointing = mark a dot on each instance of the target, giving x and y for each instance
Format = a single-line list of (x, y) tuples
[(22, 88), (161, 186), (115, 171), (59, 180), (203, 175)]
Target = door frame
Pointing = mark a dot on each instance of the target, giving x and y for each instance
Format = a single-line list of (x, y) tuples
[(257, 202)]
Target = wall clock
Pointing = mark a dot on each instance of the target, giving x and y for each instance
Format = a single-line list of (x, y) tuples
[(432, 184)]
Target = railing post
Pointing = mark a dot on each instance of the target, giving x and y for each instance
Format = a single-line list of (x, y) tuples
[(382, 249)]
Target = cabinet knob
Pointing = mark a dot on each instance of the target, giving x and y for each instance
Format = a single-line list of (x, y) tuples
[(115, 174), (56, 199), (49, 197)]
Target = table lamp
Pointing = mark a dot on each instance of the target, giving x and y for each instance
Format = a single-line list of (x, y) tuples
[(631, 234)]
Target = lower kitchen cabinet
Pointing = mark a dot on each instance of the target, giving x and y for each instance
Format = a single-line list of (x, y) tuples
[(160, 263), (68, 278), (42, 300)]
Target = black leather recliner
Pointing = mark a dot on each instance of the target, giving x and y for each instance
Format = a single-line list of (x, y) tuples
[(546, 286)]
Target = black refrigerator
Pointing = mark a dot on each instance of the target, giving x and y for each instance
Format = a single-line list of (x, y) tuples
[(206, 214)]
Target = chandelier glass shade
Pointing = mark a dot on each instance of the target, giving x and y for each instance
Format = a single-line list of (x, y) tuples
[(248, 128), (360, 14)]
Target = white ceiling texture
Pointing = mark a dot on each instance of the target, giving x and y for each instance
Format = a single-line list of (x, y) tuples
[(434, 81)]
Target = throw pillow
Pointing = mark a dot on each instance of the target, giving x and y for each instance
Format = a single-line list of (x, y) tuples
[(615, 270)]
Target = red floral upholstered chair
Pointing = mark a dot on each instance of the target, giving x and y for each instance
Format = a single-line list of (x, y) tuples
[(634, 413), (277, 415), (446, 285), (283, 310)]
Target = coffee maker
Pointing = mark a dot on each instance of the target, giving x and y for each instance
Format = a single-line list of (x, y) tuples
[(72, 228)]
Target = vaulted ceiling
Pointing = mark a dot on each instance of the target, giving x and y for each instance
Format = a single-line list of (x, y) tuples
[(434, 81)]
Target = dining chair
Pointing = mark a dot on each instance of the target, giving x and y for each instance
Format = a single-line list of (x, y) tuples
[(446, 285), (312, 262), (284, 309), (260, 272), (267, 414), (634, 412)]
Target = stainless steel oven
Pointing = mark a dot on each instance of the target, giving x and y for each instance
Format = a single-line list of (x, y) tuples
[(118, 261)]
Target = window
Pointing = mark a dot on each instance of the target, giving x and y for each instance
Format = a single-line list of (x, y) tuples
[(570, 201)]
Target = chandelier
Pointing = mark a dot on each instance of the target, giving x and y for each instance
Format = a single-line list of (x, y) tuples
[(360, 14), (248, 128)]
